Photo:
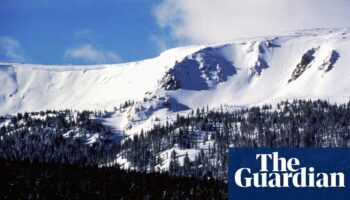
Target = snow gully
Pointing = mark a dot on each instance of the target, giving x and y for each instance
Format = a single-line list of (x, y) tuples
[(286, 173)]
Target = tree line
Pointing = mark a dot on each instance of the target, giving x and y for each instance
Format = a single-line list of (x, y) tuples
[(61, 136)]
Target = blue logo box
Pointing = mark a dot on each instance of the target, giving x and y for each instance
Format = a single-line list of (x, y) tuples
[(289, 173)]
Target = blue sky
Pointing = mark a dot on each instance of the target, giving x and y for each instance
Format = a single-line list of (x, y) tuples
[(112, 31), (80, 32)]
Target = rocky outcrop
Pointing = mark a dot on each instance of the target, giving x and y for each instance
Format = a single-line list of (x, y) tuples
[(258, 49), (324, 58), (306, 59), (329, 61), (199, 71), (169, 81)]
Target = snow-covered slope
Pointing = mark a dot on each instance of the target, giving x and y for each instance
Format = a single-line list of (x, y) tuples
[(303, 64), (26, 87)]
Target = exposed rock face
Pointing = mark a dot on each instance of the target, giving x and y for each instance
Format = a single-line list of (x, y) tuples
[(306, 59), (258, 67), (169, 81), (321, 57), (329, 61), (258, 50), (199, 71)]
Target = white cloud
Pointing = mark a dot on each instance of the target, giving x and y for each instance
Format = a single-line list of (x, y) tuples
[(11, 49), (90, 54), (222, 20), (159, 42)]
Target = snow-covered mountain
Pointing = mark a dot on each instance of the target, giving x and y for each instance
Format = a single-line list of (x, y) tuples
[(304, 64)]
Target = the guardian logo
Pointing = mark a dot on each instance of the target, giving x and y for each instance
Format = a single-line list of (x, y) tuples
[(280, 172), (289, 173)]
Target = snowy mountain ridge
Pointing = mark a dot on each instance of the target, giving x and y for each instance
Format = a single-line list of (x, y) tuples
[(304, 64)]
